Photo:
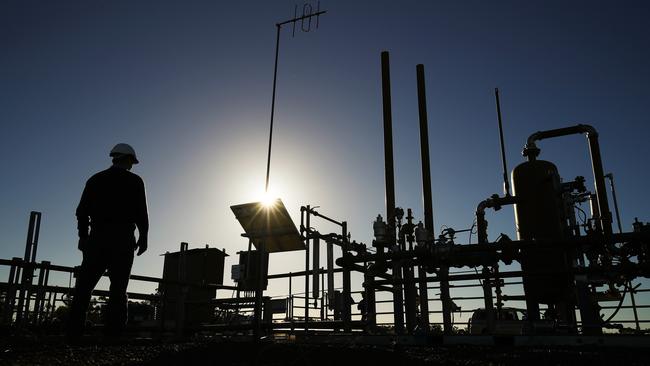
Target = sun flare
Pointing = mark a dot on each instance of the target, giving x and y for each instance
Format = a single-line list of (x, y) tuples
[(268, 199)]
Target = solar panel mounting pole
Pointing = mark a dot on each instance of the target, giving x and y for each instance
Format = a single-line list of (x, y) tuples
[(306, 15)]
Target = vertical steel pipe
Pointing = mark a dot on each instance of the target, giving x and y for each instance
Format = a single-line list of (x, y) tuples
[(323, 311), (307, 239), (371, 305), (330, 270), (428, 204), (390, 190), (424, 150), (388, 149), (316, 266), (347, 285), (427, 198), (445, 297), (599, 182)]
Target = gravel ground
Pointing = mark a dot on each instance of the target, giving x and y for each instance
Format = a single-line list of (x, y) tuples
[(90, 352), (239, 353)]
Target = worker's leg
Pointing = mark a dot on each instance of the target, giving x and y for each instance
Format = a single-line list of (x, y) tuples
[(118, 271), (93, 267)]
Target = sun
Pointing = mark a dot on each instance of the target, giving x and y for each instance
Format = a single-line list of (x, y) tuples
[(268, 199)]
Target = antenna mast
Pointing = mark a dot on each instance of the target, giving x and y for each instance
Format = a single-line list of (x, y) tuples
[(506, 184), (307, 15)]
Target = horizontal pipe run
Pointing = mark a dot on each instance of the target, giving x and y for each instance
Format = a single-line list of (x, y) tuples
[(531, 151), (460, 249), (565, 131), (315, 213), (297, 274), (66, 290), (516, 274)]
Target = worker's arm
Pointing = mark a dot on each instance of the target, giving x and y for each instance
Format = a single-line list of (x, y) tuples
[(142, 219), (83, 217)]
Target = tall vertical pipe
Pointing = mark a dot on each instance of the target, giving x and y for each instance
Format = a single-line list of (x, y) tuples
[(599, 181), (388, 147), (428, 203), (424, 150), (307, 240), (390, 190), (427, 198), (347, 284)]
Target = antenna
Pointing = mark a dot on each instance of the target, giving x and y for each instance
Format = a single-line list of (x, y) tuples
[(506, 184), (307, 14)]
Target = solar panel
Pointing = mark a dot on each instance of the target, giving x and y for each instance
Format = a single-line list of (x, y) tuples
[(269, 224)]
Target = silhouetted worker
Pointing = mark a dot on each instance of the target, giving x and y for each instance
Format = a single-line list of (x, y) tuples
[(112, 205)]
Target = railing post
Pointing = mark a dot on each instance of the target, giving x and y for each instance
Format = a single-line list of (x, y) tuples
[(20, 273), (43, 275), (10, 298)]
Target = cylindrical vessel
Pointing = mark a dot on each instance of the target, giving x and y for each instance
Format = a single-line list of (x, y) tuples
[(540, 215)]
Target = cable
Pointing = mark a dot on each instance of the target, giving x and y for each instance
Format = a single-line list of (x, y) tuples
[(471, 231), (618, 307), (584, 217)]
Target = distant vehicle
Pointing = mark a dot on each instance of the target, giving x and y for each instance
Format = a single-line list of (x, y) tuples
[(509, 321)]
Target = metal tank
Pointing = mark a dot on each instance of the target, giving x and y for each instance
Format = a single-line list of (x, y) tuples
[(540, 215), (190, 305)]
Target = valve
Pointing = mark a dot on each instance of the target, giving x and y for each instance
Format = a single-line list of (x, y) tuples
[(421, 235), (380, 228)]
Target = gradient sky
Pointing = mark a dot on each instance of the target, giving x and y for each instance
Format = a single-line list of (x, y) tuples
[(188, 84)]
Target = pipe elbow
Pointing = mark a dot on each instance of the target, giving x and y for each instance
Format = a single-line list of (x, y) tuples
[(480, 208), (535, 136), (589, 130)]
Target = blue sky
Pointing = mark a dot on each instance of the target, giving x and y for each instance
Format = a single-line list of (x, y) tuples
[(188, 84)]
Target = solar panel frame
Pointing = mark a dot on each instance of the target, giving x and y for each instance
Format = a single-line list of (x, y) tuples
[(269, 224)]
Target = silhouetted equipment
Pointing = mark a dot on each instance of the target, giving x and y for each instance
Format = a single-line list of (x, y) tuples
[(187, 304), (567, 257), (268, 224), (563, 262), (270, 228), (540, 215), (251, 267)]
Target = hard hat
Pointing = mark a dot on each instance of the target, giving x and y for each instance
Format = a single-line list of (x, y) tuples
[(123, 149)]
